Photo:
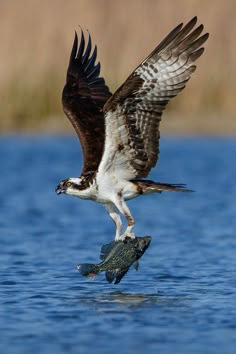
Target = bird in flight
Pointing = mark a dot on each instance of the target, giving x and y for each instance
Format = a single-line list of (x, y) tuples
[(119, 133)]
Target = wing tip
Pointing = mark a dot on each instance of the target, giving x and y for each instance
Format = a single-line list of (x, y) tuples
[(194, 20)]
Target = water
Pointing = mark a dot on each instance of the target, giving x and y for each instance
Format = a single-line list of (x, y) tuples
[(182, 299)]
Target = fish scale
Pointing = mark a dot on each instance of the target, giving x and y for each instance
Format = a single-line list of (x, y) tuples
[(117, 257)]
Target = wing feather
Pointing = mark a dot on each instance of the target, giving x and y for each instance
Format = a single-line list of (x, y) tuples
[(83, 97), (133, 113)]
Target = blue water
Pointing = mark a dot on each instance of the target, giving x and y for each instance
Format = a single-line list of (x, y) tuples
[(182, 299)]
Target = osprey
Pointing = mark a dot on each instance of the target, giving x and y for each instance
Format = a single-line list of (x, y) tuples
[(119, 133)]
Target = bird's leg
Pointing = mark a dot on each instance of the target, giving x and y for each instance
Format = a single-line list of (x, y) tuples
[(123, 208), (113, 212)]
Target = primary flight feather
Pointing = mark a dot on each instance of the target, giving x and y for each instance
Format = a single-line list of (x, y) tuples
[(119, 133)]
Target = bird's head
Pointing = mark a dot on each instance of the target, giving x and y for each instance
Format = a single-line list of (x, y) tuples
[(71, 186)]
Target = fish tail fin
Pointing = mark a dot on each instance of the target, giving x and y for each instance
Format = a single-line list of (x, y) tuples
[(146, 187), (88, 269)]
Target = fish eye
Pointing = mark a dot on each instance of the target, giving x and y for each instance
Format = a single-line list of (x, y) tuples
[(68, 184)]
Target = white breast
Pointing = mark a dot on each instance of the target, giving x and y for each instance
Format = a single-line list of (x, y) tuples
[(109, 186)]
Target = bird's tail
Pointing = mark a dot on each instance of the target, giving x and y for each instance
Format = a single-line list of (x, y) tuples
[(146, 187), (88, 270)]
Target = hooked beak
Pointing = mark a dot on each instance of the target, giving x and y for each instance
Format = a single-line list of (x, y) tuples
[(59, 189)]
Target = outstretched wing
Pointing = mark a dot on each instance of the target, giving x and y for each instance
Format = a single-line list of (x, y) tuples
[(133, 113), (83, 98)]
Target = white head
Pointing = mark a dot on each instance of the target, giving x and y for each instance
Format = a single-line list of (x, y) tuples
[(78, 187)]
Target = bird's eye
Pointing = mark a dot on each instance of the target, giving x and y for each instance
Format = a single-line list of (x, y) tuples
[(68, 184)]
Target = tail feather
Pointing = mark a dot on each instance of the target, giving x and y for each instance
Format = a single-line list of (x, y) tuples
[(147, 186), (88, 270), (180, 187)]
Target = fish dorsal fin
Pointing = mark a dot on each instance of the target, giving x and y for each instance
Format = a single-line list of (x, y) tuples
[(136, 265), (105, 249)]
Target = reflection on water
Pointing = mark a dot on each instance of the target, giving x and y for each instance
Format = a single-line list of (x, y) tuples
[(128, 299)]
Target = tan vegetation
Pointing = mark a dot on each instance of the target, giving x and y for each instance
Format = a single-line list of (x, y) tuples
[(36, 38)]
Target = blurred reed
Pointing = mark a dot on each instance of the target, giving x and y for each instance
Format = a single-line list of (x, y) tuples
[(36, 38)]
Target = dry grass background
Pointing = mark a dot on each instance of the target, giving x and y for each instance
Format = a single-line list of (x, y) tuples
[(36, 38)]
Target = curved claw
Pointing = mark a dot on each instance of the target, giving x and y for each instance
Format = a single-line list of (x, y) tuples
[(126, 235)]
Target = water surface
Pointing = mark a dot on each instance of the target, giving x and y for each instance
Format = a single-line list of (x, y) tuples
[(182, 299)]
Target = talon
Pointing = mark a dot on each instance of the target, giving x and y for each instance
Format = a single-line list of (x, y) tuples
[(131, 235), (118, 238), (127, 235)]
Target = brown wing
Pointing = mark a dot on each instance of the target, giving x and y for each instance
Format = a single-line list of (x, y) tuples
[(83, 97), (133, 113)]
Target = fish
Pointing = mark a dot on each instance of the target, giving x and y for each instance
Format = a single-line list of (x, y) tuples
[(117, 257)]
